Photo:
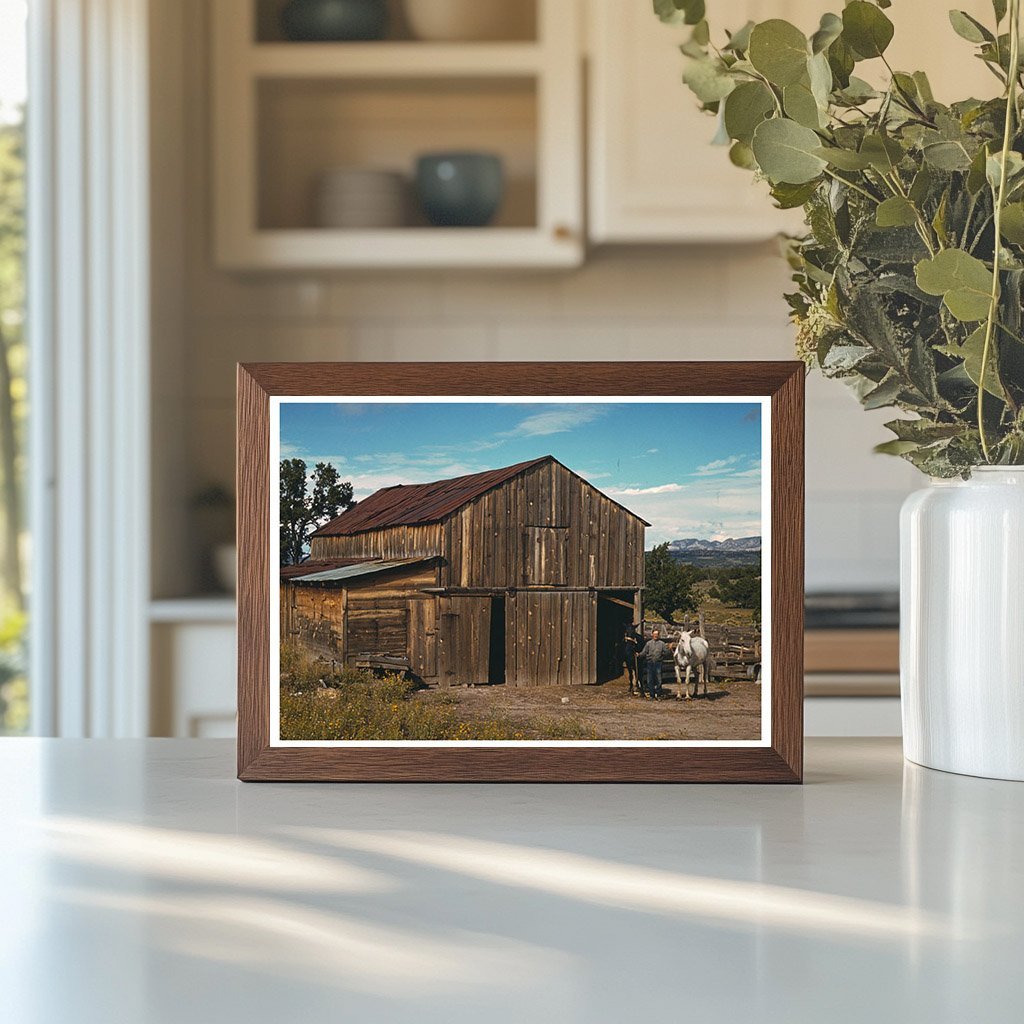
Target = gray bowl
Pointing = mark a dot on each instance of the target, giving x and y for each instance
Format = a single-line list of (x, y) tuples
[(460, 189), (334, 20)]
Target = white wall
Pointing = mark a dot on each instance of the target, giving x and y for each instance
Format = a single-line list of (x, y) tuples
[(655, 303)]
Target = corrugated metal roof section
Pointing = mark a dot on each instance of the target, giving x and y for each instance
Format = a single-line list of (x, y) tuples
[(371, 567), (312, 565), (416, 504)]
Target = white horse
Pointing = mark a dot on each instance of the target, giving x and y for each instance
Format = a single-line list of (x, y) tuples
[(692, 652)]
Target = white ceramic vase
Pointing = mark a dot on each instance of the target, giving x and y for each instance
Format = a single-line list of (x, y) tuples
[(962, 624)]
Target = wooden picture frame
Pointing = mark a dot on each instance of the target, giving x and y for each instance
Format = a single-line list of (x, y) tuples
[(779, 759)]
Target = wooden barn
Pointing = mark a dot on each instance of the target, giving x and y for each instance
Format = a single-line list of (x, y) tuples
[(525, 575)]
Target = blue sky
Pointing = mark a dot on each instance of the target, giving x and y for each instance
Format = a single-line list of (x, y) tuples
[(691, 470)]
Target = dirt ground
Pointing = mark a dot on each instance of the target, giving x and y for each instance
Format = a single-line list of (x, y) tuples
[(730, 711)]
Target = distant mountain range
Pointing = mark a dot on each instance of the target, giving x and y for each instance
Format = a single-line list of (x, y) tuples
[(731, 551)]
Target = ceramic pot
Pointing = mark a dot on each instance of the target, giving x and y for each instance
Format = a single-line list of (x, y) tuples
[(460, 189), (334, 20), (468, 20), (962, 624)]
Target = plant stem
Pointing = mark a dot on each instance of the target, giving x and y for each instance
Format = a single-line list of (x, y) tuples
[(993, 309), (856, 188)]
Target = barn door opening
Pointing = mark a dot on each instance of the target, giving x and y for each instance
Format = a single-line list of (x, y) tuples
[(614, 614), (496, 659)]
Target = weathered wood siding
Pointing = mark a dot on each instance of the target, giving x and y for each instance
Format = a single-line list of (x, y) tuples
[(545, 527), (465, 636), (551, 638), (371, 616), (389, 542)]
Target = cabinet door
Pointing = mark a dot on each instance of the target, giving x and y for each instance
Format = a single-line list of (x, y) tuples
[(655, 177)]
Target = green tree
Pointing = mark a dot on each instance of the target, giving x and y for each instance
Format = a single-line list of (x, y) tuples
[(307, 502), (13, 397), (742, 592), (668, 583)]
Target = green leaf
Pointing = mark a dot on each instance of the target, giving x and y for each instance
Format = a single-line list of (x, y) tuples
[(742, 155), (924, 87), (800, 105), (963, 281), (676, 12), (939, 220), (969, 28), (999, 7), (994, 168), (820, 76), (739, 41), (745, 108), (896, 212), (841, 60), (884, 395), (946, 156), (971, 352), (785, 152), (921, 185), (830, 29), (789, 197), (923, 431), (778, 50), (844, 159), (895, 447), (866, 29), (858, 91), (1012, 225), (883, 153), (708, 80), (976, 174)]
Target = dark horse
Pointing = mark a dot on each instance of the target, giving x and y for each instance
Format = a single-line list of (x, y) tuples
[(632, 644)]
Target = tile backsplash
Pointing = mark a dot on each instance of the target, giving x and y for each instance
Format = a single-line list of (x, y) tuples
[(642, 304)]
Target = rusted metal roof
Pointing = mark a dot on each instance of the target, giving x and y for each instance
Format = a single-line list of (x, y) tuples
[(366, 567), (312, 565), (418, 504)]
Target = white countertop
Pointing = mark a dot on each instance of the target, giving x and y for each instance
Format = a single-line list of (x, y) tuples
[(143, 885)]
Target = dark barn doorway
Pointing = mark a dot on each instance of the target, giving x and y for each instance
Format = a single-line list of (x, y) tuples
[(614, 614), (496, 657)]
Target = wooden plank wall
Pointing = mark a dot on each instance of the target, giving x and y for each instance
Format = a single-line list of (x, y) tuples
[(390, 542), (490, 543), (551, 638), (465, 636), (369, 616)]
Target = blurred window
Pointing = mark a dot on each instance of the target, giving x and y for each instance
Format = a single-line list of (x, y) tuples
[(14, 703)]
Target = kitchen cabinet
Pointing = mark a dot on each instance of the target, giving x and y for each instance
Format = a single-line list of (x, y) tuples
[(653, 175), (287, 113)]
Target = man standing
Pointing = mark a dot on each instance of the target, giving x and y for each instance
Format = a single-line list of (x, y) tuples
[(654, 654)]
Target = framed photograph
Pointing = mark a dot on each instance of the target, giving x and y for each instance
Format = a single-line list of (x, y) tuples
[(557, 572)]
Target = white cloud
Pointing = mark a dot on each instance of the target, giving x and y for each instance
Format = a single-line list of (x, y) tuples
[(555, 421), (709, 507), (717, 467), (657, 489)]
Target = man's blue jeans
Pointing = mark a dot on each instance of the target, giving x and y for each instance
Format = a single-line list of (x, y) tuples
[(653, 678)]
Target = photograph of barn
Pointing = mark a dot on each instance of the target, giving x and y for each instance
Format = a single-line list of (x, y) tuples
[(518, 569), (526, 576)]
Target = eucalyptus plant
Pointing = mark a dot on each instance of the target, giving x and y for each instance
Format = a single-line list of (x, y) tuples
[(909, 280)]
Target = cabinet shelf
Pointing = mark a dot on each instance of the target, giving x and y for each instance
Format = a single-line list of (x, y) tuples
[(310, 248), (287, 113), (392, 60)]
